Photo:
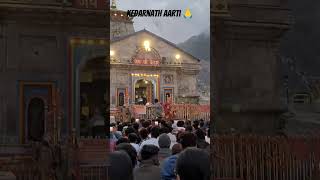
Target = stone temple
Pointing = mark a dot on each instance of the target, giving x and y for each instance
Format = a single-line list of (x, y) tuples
[(145, 66)]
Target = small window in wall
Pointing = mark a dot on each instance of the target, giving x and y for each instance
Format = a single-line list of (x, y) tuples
[(121, 99), (36, 117)]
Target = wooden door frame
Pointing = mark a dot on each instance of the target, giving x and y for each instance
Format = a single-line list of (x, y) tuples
[(22, 105)]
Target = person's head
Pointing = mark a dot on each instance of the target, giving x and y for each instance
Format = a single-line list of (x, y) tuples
[(164, 130), (176, 149), (193, 164), (149, 152), (189, 128), (164, 141), (141, 121), (145, 124), (121, 166), (201, 124), (200, 134), (156, 100), (170, 129), (196, 124), (120, 127), (133, 138), (188, 123), (135, 126), (188, 139), (129, 150), (143, 133), (122, 140), (155, 132), (128, 131), (180, 123)]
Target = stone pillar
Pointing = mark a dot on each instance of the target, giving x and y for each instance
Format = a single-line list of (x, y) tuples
[(246, 65)]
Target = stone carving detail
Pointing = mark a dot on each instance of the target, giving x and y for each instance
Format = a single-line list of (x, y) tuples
[(123, 78), (168, 79)]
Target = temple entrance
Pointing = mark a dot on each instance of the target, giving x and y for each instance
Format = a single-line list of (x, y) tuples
[(36, 118), (144, 92), (93, 85)]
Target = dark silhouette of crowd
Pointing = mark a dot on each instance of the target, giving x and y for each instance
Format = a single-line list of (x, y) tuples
[(160, 150)]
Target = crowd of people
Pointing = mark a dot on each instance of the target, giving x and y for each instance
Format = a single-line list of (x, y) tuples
[(160, 150)]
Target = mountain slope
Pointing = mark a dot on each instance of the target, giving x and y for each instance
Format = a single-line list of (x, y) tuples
[(199, 46)]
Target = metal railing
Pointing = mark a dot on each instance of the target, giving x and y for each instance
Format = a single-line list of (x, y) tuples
[(93, 172), (179, 111), (265, 158)]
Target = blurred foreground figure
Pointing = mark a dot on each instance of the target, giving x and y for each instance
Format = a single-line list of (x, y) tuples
[(193, 164), (121, 166), (149, 167)]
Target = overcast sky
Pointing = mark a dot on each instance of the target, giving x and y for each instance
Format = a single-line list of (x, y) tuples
[(177, 29)]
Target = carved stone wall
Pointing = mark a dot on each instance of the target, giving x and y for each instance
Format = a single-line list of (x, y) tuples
[(34, 48), (246, 66), (118, 29)]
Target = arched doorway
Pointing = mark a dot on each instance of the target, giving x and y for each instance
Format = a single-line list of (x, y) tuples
[(144, 91), (93, 84), (36, 118)]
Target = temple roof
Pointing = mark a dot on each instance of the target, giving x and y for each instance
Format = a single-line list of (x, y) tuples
[(157, 37)]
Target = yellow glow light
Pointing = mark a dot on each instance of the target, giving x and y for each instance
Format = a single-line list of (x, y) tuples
[(177, 56), (146, 45), (111, 53)]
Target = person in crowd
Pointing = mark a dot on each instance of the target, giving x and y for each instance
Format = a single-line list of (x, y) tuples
[(202, 125), (149, 164), (121, 166), (153, 140), (189, 129), (187, 139), (195, 125), (164, 144), (180, 126), (172, 137), (176, 149), (128, 130), (163, 129), (141, 121), (158, 109), (114, 134), (201, 140), (208, 136), (122, 140), (144, 133), (120, 128), (193, 164), (126, 147), (187, 123), (153, 122), (146, 124), (136, 127), (133, 138)]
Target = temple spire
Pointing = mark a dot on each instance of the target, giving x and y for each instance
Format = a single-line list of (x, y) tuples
[(113, 4)]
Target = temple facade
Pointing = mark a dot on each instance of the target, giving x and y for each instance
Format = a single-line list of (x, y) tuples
[(145, 66)]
